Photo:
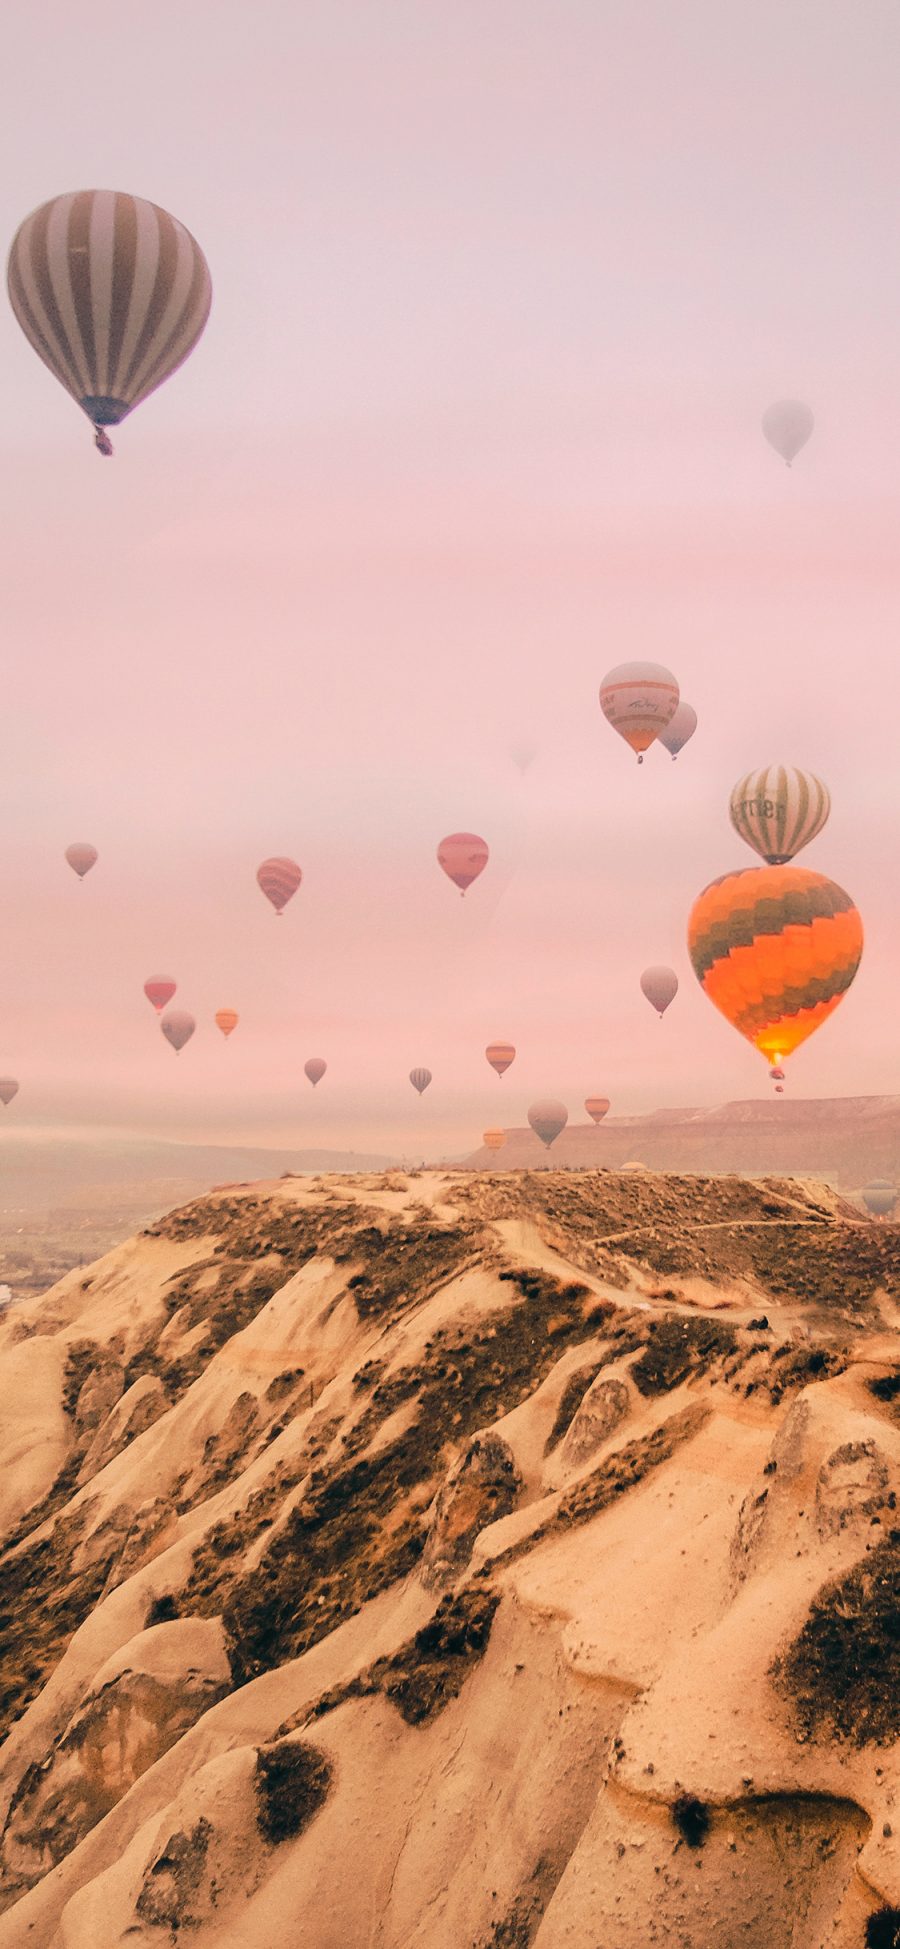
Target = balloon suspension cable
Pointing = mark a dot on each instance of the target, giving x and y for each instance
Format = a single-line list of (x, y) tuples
[(103, 442)]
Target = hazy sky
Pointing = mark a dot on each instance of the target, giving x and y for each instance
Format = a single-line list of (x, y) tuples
[(501, 289)]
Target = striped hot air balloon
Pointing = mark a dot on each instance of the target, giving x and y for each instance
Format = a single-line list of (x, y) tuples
[(8, 1089), (778, 810), (639, 700), (315, 1069), (547, 1118), (596, 1107), (159, 990), (494, 1139), (279, 879), (775, 948), (500, 1055), (81, 857), (420, 1079), (112, 293), (178, 1027), (463, 856), (227, 1020)]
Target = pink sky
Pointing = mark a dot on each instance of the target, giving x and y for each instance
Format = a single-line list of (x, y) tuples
[(500, 293)]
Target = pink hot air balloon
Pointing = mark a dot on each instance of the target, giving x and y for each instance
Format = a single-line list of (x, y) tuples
[(500, 1055), (596, 1107), (8, 1089), (279, 879), (547, 1119), (178, 1027), (315, 1069), (420, 1079), (660, 985), (159, 990), (81, 857), (463, 856)]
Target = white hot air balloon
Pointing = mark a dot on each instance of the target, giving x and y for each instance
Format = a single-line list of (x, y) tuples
[(639, 700), (787, 426), (778, 810)]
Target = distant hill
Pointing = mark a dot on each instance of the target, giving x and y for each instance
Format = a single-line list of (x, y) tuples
[(47, 1174), (848, 1139)]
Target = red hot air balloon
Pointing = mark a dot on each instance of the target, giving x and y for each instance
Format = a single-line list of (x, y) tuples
[(81, 857), (547, 1119), (8, 1089), (596, 1107), (660, 985), (463, 856), (279, 879), (159, 990), (315, 1069), (420, 1079), (500, 1055), (178, 1027)]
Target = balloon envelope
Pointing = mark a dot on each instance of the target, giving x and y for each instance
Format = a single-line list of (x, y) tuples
[(775, 948), (787, 426), (523, 754), (279, 879), (778, 810), (500, 1055), (463, 855), (227, 1020), (178, 1027), (681, 726), (660, 985), (639, 700), (81, 857), (8, 1089), (494, 1139), (596, 1107), (420, 1079), (547, 1118), (159, 990), (111, 292), (315, 1069), (880, 1197)]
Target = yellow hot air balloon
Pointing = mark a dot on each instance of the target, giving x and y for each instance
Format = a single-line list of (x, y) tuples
[(775, 948), (227, 1020), (494, 1139)]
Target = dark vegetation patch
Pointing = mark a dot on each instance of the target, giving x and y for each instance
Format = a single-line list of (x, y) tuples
[(692, 1819), (885, 1387), (41, 1608), (842, 1673), (166, 1895), (627, 1467), (292, 1783), (162, 1610), (570, 1399), (424, 1675), (285, 1383), (883, 1929), (794, 1367), (679, 1347), (81, 1359)]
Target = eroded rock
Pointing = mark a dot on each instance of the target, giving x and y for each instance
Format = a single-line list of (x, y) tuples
[(480, 1487), (602, 1410)]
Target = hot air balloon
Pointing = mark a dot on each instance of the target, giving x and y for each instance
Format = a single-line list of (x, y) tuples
[(159, 990), (523, 754), (639, 700), (8, 1089), (420, 1079), (787, 426), (315, 1069), (500, 1055), (660, 985), (494, 1139), (547, 1119), (178, 1027), (279, 879), (596, 1107), (880, 1197), (112, 293), (778, 810), (227, 1020), (680, 728), (775, 948), (81, 857), (463, 856)]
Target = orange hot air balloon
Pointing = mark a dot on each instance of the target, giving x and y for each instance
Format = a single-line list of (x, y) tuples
[(227, 1020), (494, 1139), (159, 990), (81, 857), (547, 1119), (178, 1027), (775, 948), (596, 1107), (8, 1089), (279, 879), (463, 856), (315, 1069), (500, 1055)]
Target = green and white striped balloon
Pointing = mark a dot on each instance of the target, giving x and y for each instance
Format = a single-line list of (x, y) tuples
[(779, 810)]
